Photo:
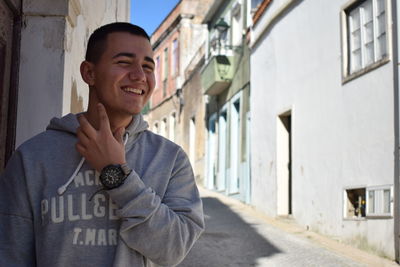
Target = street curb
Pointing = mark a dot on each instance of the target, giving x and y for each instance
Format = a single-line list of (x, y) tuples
[(290, 226)]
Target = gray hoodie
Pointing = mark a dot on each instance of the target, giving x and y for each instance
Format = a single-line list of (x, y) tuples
[(152, 219)]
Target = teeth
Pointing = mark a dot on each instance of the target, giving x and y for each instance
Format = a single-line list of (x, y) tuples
[(133, 90)]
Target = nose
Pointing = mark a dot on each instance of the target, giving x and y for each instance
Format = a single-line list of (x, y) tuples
[(137, 73)]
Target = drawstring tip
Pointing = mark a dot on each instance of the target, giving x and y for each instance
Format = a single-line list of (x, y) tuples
[(61, 190)]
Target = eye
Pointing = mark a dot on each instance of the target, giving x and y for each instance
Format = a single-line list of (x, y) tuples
[(148, 68), (123, 62)]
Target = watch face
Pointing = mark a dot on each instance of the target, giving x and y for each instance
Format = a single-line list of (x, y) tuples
[(112, 176)]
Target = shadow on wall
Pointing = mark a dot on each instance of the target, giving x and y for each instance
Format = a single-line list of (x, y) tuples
[(227, 240)]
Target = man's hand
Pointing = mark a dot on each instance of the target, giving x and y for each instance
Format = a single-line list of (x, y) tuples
[(100, 147)]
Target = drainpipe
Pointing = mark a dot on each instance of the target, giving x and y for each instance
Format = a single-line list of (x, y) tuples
[(396, 74)]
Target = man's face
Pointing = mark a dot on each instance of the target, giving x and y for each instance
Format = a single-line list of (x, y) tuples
[(124, 75)]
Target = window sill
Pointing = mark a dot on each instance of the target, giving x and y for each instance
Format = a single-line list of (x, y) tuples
[(374, 217), (365, 70), (369, 217), (355, 219)]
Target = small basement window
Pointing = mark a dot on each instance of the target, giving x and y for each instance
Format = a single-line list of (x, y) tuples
[(368, 202), (380, 201), (354, 203)]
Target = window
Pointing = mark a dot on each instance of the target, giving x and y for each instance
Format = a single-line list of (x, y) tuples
[(172, 125), (379, 201), (354, 203), (376, 201), (155, 128), (366, 35), (163, 127), (158, 72), (192, 141), (175, 58), (165, 72)]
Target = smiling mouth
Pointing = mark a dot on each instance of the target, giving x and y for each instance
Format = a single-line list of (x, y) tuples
[(134, 90)]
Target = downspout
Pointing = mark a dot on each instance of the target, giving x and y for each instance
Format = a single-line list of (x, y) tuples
[(396, 51)]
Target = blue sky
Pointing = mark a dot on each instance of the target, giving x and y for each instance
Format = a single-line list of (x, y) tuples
[(150, 13)]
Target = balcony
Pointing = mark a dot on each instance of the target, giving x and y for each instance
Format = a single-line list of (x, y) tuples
[(217, 74)]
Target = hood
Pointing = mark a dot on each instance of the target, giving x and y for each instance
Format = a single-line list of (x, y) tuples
[(69, 123)]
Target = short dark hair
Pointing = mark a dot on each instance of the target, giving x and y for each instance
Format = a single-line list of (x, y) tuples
[(97, 40)]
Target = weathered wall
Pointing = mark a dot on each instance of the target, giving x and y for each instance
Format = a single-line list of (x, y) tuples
[(53, 42), (80, 24)]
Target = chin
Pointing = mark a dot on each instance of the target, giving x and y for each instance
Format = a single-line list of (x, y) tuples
[(135, 112)]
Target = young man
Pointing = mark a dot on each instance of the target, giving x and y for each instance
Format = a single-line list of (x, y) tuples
[(131, 199)]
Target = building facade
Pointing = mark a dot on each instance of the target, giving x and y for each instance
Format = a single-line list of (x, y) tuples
[(225, 79), (323, 111), (42, 44), (192, 121), (176, 108)]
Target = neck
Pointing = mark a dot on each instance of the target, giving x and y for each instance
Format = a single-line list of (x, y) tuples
[(116, 121)]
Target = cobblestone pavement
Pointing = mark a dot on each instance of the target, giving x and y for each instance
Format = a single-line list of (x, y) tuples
[(236, 235)]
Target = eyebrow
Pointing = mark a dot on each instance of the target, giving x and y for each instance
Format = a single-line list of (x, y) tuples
[(131, 55)]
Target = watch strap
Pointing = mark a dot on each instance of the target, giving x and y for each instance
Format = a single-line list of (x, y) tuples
[(125, 168)]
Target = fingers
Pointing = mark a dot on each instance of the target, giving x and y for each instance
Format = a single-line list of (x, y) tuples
[(86, 127), (83, 141), (82, 137), (104, 123), (81, 149), (119, 135)]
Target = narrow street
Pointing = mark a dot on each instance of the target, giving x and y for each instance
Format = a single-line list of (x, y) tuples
[(236, 235)]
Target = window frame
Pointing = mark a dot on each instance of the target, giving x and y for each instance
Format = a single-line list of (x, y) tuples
[(165, 63), (345, 202), (158, 71), (175, 58), (163, 127), (391, 201), (166, 70), (347, 73), (156, 127), (172, 126)]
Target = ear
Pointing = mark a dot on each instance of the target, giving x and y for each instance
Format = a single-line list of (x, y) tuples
[(87, 72)]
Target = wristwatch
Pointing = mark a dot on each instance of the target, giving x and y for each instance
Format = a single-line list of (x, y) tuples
[(113, 176)]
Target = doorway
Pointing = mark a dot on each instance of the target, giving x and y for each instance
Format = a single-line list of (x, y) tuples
[(212, 153), (284, 164), (222, 127), (192, 142), (235, 128)]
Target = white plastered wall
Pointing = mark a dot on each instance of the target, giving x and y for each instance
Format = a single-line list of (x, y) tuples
[(342, 134)]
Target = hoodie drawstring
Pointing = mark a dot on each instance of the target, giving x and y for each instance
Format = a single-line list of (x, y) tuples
[(126, 135), (61, 190)]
